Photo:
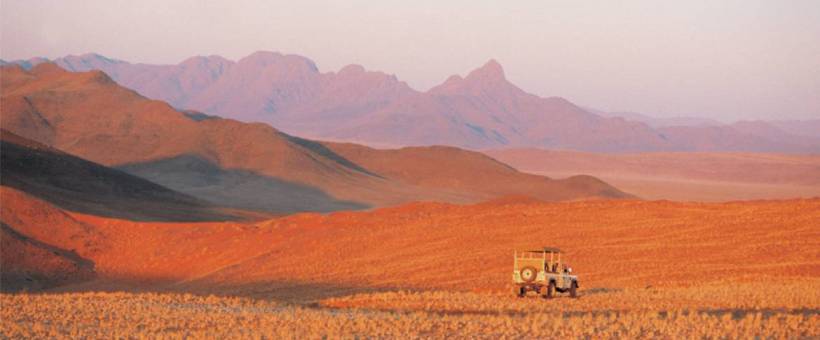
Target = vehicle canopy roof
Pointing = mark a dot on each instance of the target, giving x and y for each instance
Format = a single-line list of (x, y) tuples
[(543, 250)]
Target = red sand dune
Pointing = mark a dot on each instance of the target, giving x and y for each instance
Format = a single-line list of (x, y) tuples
[(43, 246), (32, 265), (440, 246), (87, 187)]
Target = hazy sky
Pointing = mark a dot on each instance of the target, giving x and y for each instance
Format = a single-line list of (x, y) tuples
[(728, 60)]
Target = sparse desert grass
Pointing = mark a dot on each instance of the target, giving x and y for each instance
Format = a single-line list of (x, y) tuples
[(726, 296), (735, 311)]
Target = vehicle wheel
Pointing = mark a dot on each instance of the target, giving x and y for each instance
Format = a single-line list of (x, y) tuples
[(519, 291), (528, 274), (543, 291), (573, 290), (550, 290)]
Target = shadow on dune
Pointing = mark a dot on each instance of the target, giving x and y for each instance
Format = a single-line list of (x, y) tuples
[(322, 150), (28, 264), (79, 185), (241, 189)]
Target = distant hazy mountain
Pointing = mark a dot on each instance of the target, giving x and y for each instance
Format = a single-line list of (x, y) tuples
[(26, 64), (485, 110), (704, 134), (659, 122), (481, 110), (807, 128)]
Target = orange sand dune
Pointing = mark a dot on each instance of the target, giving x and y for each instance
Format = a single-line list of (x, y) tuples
[(79, 185), (647, 269), (444, 246), (31, 264)]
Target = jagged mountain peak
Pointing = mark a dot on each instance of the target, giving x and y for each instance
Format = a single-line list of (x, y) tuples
[(490, 71)]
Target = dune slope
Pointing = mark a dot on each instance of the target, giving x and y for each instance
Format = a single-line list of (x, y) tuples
[(84, 186), (440, 246), (42, 246)]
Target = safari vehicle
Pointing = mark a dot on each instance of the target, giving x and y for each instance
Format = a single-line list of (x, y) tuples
[(541, 271)]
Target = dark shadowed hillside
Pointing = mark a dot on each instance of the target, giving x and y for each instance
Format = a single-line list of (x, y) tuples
[(79, 185)]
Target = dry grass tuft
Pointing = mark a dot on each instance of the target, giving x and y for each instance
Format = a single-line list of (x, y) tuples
[(728, 310)]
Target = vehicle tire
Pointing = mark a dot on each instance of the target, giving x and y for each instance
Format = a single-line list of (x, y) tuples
[(519, 291), (573, 290), (550, 290), (528, 274), (543, 291)]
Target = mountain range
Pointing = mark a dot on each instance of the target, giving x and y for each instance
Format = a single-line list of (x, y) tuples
[(478, 111), (74, 123)]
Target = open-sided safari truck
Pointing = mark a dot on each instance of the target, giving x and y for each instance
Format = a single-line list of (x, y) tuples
[(541, 271)]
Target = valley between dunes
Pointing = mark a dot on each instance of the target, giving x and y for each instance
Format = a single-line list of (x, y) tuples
[(433, 269)]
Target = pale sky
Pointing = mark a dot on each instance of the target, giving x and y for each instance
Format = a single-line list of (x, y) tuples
[(727, 60)]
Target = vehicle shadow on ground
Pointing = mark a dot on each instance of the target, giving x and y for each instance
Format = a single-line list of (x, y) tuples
[(600, 290)]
